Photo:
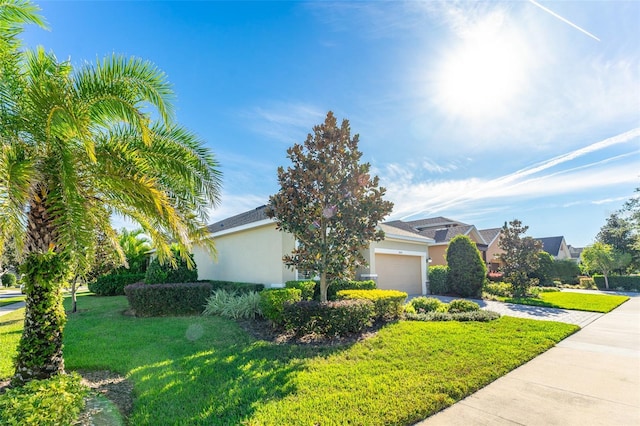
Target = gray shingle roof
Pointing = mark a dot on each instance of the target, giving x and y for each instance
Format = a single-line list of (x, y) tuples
[(245, 218), (442, 235), (551, 244), (490, 234), (433, 222)]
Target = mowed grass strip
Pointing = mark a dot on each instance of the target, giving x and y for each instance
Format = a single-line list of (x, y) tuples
[(208, 371), (577, 301), (11, 300), (10, 331)]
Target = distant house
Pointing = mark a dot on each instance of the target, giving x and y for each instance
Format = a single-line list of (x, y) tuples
[(492, 239), (575, 253), (250, 249), (556, 247)]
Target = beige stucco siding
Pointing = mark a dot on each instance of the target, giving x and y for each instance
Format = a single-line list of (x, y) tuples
[(251, 255), (437, 254)]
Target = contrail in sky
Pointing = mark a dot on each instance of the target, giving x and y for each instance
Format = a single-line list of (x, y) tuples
[(566, 21)]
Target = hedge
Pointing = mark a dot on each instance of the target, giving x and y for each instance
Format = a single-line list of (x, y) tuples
[(166, 274), (438, 279), (306, 287), (616, 282), (233, 286), (272, 302), (334, 318), (387, 303), (114, 284), (168, 299), (338, 285), (481, 316)]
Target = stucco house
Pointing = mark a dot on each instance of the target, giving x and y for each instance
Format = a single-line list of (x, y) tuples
[(250, 249), (556, 247)]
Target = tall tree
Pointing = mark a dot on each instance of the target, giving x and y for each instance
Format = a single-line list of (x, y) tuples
[(604, 258), (329, 202), (78, 146), (520, 256), (467, 270), (622, 231)]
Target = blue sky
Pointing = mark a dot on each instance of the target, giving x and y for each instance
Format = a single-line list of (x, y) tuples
[(480, 112)]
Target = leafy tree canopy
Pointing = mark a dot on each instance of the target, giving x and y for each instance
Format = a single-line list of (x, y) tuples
[(520, 256), (329, 202)]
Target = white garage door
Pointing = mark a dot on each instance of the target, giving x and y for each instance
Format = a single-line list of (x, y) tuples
[(399, 272)]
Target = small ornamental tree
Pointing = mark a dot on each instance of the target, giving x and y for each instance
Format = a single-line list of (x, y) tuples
[(544, 272), (467, 271), (604, 258), (520, 256), (329, 202)]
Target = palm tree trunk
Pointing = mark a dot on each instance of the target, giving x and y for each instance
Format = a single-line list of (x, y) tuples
[(40, 347)]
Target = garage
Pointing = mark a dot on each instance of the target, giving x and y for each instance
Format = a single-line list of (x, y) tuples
[(399, 272)]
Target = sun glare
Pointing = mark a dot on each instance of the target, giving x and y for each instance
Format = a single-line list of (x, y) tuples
[(483, 74)]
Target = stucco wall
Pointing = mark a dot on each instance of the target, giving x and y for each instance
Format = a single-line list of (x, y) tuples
[(437, 254), (252, 255)]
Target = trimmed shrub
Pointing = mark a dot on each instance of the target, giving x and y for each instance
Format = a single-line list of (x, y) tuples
[(545, 270), (566, 270), (624, 282), (114, 284), (501, 289), (306, 287), (425, 304), (9, 279), (387, 303), (339, 285), (462, 305), (587, 283), (237, 287), (438, 279), (167, 299), (334, 318), (272, 302), (51, 402), (166, 274), (481, 316), (467, 270), (229, 304)]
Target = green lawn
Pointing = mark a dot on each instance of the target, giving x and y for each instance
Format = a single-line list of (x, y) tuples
[(208, 371), (10, 300), (567, 300)]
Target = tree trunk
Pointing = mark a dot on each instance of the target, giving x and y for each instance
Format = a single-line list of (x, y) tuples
[(323, 286), (40, 348), (606, 281)]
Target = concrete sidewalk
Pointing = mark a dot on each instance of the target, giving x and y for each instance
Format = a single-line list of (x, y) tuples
[(6, 309), (590, 378)]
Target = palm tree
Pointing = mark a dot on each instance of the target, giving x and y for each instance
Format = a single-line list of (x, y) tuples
[(79, 145), (136, 248)]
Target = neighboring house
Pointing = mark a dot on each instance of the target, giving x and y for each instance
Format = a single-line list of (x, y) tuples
[(556, 247), (575, 253), (442, 230), (492, 238), (250, 249)]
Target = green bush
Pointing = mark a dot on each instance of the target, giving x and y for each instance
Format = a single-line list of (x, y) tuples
[(334, 318), (306, 287), (566, 270), (168, 299), (9, 279), (501, 289), (467, 270), (462, 305), (272, 302), (166, 274), (624, 282), (339, 285), (425, 304), (544, 273), (114, 284), (237, 287), (52, 402), (481, 316), (387, 303), (229, 304), (438, 279)]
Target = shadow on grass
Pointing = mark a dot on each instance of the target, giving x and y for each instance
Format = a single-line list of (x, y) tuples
[(531, 302)]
